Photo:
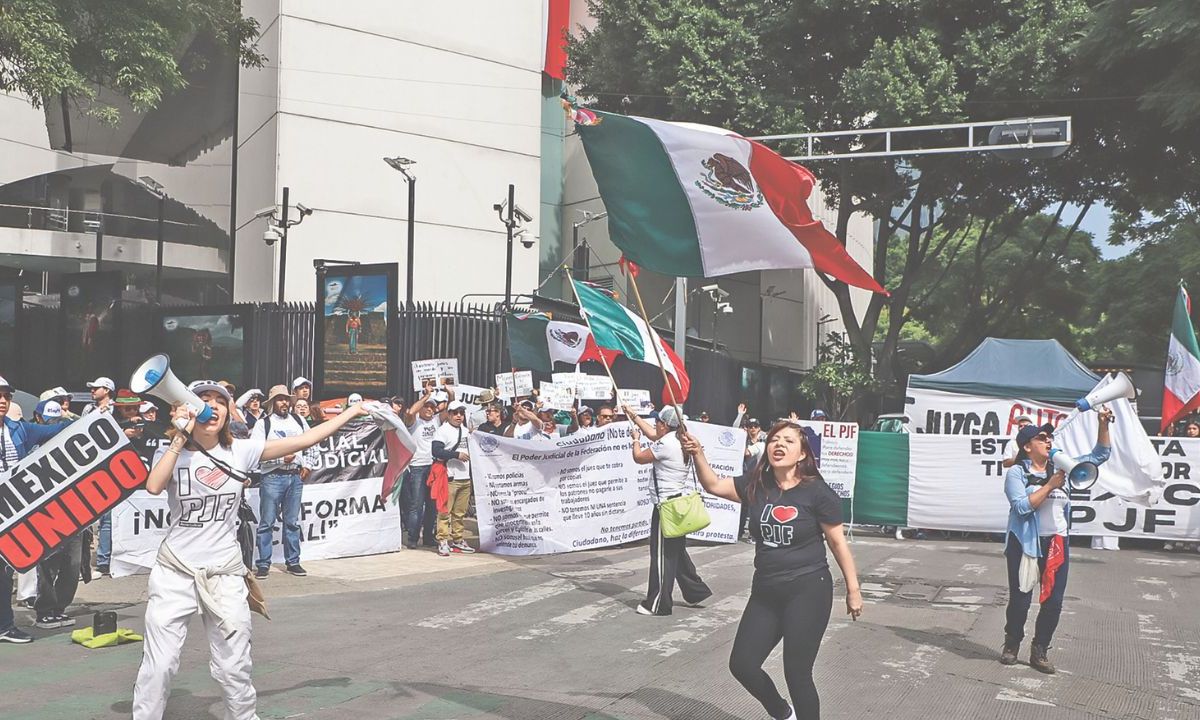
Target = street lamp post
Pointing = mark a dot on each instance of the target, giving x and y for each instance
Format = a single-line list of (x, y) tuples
[(156, 188), (508, 226), (283, 224), (402, 165)]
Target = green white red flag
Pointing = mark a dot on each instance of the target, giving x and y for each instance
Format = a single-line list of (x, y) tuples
[(698, 201), (535, 342), (1181, 384), (616, 327)]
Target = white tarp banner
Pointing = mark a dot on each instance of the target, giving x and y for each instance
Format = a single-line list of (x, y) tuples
[(557, 495), (337, 519), (956, 482)]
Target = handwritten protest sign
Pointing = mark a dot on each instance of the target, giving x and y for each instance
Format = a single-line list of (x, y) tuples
[(523, 380), (587, 387), (441, 372), (556, 396), (639, 400), (56, 492)]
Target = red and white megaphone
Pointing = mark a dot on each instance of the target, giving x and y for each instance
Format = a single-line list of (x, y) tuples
[(154, 377), (1120, 387)]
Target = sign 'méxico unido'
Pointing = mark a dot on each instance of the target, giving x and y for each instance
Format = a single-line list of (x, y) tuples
[(56, 492)]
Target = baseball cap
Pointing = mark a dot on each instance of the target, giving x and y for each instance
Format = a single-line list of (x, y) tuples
[(670, 417), (201, 386), (1029, 432), (51, 409), (301, 381), (147, 407), (585, 410), (752, 422), (55, 392), (4, 384), (818, 413), (354, 398), (103, 382), (457, 405), (526, 404)]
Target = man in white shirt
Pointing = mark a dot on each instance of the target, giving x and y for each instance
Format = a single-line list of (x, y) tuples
[(416, 509), (103, 390), (281, 486), (450, 447)]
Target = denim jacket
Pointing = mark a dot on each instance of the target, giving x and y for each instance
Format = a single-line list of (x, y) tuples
[(26, 435), (1022, 515)]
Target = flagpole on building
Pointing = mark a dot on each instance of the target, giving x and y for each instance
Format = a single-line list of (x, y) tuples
[(603, 357), (657, 350)]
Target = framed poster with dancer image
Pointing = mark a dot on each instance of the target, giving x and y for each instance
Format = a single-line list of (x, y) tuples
[(91, 310), (357, 336), (207, 343)]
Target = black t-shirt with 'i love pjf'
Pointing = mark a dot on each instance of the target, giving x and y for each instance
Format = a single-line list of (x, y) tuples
[(786, 526)]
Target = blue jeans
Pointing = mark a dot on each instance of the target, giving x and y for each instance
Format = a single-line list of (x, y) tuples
[(279, 490), (1018, 602), (7, 619), (413, 493), (104, 548)]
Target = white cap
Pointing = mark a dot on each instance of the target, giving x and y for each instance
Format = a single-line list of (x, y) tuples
[(103, 382), (205, 385), (51, 410), (4, 383), (147, 407), (456, 405), (301, 381), (669, 417), (54, 393), (354, 399), (244, 398)]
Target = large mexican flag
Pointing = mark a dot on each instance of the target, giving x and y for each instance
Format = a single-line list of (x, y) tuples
[(1181, 384), (698, 201), (535, 342)]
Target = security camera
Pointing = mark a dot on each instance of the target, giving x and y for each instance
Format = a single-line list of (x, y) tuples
[(272, 235), (304, 210), (714, 291), (725, 308), (523, 236), (521, 214), (265, 212)]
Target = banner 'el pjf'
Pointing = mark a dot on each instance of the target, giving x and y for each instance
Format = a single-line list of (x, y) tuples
[(60, 489), (557, 495)]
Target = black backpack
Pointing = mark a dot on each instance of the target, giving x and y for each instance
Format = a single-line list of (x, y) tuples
[(266, 421)]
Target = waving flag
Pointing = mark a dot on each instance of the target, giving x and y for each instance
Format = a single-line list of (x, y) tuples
[(1181, 386), (615, 327), (400, 447), (535, 342), (698, 201)]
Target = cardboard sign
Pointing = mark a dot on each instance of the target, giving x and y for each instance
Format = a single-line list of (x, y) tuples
[(587, 387), (639, 400), (56, 492), (523, 380), (441, 372), (556, 396)]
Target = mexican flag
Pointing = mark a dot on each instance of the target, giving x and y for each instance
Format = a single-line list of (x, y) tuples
[(698, 201), (1181, 385), (535, 342), (615, 327)]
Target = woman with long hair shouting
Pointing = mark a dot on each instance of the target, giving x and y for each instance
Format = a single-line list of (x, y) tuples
[(791, 512)]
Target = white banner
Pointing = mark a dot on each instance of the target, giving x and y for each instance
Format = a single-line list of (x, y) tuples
[(836, 449), (946, 413), (337, 519), (957, 483), (557, 495)]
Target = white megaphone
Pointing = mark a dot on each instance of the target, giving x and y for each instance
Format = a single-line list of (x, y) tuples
[(1120, 387), (1080, 475), (154, 377)]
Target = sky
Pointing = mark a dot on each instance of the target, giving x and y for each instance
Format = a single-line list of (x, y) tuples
[(1097, 222)]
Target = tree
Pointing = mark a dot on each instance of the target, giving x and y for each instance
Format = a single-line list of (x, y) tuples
[(68, 49), (769, 66), (839, 380)]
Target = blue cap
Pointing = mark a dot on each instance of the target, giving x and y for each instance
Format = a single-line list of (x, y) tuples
[(1029, 432)]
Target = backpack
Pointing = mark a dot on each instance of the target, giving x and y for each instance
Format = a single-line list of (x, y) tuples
[(266, 423)]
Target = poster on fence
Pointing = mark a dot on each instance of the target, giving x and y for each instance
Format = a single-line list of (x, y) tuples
[(355, 340), (573, 493), (341, 513), (957, 483), (57, 491)]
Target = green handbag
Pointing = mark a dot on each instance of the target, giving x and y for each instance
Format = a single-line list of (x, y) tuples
[(680, 516)]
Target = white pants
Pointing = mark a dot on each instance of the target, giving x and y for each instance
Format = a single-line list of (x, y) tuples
[(172, 604)]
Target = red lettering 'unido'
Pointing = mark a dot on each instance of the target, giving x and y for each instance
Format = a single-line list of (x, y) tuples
[(21, 548), (99, 490), (129, 470)]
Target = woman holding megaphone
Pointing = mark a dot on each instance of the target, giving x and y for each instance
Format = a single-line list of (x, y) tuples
[(1037, 545), (199, 565)]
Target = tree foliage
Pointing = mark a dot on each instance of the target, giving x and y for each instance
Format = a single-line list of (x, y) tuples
[(839, 380), (69, 49)]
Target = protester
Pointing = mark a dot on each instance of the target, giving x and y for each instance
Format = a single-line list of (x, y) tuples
[(817, 414), (199, 568), (742, 409), (63, 398), (791, 595), (302, 388), (450, 447), (149, 412), (493, 420), (703, 417), (585, 417), (605, 415), (1013, 449), (354, 399), (397, 404), (673, 476), (282, 488), (251, 406), (416, 508), (17, 439), (49, 412), (1038, 531), (755, 446), (1192, 428), (103, 389)]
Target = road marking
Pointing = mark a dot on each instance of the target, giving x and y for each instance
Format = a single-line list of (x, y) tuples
[(1010, 695), (1161, 562), (972, 569), (918, 664), (484, 609), (694, 628)]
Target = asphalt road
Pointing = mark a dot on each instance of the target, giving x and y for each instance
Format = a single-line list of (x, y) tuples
[(410, 636)]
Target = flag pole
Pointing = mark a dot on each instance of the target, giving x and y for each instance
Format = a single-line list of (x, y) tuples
[(603, 357), (657, 351)]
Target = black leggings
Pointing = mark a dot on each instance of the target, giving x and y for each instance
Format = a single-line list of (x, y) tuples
[(796, 612)]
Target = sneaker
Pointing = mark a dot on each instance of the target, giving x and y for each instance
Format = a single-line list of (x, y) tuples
[(262, 572), (65, 620), (444, 549), (47, 622), (297, 570), (698, 603), (16, 636), (643, 610), (791, 715), (461, 546)]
